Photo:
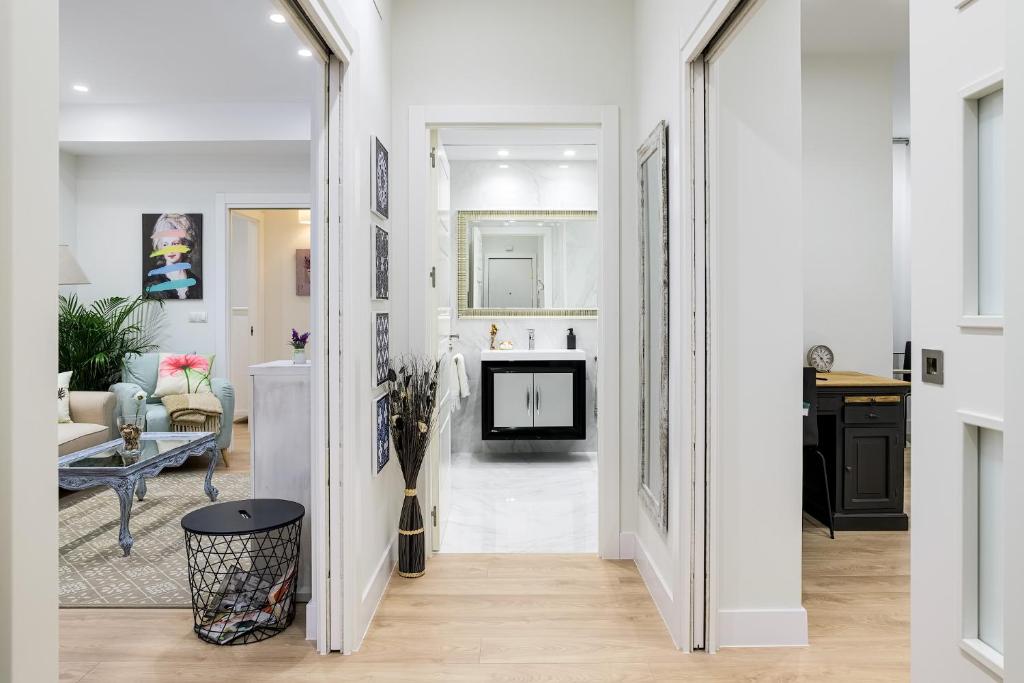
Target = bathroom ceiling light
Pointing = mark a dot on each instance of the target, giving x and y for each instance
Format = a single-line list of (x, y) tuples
[(502, 165), (277, 18), (80, 87), (502, 152), (563, 166), (305, 52), (569, 152)]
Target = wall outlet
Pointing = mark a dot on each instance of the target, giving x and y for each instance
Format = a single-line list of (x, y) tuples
[(197, 317)]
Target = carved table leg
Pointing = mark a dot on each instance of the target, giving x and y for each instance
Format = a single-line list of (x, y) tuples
[(208, 487), (140, 490), (125, 490)]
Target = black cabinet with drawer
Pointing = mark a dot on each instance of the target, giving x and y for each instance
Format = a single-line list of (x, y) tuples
[(862, 434)]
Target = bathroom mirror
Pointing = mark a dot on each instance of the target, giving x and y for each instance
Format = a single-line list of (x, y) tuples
[(528, 264), (652, 191)]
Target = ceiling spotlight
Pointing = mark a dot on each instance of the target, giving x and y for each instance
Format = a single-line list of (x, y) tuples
[(305, 52), (277, 18), (80, 87), (569, 152), (502, 152), (502, 165), (563, 166)]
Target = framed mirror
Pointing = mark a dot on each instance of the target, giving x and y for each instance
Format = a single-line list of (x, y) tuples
[(652, 191), (528, 264)]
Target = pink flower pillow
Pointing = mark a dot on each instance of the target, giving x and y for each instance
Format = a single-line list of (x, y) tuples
[(183, 373)]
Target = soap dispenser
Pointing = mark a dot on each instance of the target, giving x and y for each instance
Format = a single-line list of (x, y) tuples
[(570, 340)]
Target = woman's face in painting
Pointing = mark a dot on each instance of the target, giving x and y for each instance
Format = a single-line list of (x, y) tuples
[(173, 257)]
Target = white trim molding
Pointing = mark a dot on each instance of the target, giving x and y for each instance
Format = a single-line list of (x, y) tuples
[(762, 627), (373, 592), (970, 417), (660, 590), (984, 655)]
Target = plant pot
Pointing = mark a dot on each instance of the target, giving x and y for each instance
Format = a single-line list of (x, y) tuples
[(299, 356)]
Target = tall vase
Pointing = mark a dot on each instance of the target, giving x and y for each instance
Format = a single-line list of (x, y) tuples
[(411, 551)]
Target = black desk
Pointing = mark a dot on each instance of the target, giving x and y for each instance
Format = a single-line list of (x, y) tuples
[(862, 428)]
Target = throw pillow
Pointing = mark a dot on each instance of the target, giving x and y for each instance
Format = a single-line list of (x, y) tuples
[(64, 397), (183, 373)]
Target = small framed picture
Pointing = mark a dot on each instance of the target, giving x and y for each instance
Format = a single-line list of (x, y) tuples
[(382, 436), (381, 263), (381, 192), (382, 346)]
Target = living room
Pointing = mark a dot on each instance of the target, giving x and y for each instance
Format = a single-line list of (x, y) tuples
[(186, 279)]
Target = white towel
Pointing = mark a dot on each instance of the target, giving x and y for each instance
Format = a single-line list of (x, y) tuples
[(460, 383)]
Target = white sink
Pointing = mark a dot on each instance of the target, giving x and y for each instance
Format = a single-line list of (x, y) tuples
[(536, 354)]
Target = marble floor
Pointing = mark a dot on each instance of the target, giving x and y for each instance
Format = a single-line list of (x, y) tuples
[(522, 503)]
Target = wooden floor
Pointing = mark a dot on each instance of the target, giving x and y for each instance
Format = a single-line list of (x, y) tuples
[(479, 618)]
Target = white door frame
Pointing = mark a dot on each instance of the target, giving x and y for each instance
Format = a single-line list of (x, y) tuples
[(699, 240), (606, 119)]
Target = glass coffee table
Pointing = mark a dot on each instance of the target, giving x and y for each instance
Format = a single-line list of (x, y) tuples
[(108, 465)]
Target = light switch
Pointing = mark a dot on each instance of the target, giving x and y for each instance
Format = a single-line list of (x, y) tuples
[(197, 316)]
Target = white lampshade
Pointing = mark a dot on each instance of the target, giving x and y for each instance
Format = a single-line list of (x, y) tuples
[(69, 272)]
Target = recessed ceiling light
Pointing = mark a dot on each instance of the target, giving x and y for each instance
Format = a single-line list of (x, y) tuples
[(502, 152), (305, 52), (563, 166), (569, 152), (277, 18), (502, 165), (80, 87)]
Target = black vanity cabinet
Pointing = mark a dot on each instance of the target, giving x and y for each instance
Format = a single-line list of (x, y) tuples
[(533, 399), (862, 433)]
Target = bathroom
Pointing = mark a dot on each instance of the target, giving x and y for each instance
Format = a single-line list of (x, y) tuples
[(525, 255)]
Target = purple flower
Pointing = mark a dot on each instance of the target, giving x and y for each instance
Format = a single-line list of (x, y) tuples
[(299, 341)]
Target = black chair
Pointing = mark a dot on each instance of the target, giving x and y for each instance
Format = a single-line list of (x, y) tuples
[(811, 440)]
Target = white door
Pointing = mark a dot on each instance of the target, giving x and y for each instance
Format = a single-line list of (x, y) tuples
[(513, 399), (510, 283), (754, 299), (966, 294), (245, 307), (552, 399), (439, 318)]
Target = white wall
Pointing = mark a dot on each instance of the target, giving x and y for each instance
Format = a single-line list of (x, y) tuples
[(847, 209), (29, 221), (283, 309), (114, 191), (539, 185), (568, 52), (949, 51)]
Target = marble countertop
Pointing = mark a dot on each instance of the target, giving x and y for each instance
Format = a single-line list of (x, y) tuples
[(536, 354)]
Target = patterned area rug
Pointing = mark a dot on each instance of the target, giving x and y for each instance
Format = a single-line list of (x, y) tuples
[(93, 571)]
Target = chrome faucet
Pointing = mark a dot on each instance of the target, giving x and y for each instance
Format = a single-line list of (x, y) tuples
[(530, 331)]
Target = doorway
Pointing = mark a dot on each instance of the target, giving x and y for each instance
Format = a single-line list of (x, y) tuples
[(438, 131), (793, 178), (269, 287)]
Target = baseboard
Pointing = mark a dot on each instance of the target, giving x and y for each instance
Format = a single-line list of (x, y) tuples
[(374, 590), (660, 592), (762, 628), (627, 543)]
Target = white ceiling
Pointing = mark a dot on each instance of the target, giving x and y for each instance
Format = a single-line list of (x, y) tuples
[(152, 51), (523, 143), (855, 26)]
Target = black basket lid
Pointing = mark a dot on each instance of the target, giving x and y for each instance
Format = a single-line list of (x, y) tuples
[(243, 516)]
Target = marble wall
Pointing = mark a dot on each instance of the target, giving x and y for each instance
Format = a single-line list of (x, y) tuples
[(482, 185), (474, 336)]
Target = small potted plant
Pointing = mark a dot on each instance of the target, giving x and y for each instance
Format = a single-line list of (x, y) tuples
[(132, 426), (298, 344)]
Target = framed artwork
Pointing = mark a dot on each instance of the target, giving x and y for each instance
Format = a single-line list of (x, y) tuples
[(382, 346), (302, 268), (381, 196), (382, 438), (380, 264), (172, 255)]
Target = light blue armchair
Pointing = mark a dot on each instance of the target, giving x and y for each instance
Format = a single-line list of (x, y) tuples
[(139, 372)]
